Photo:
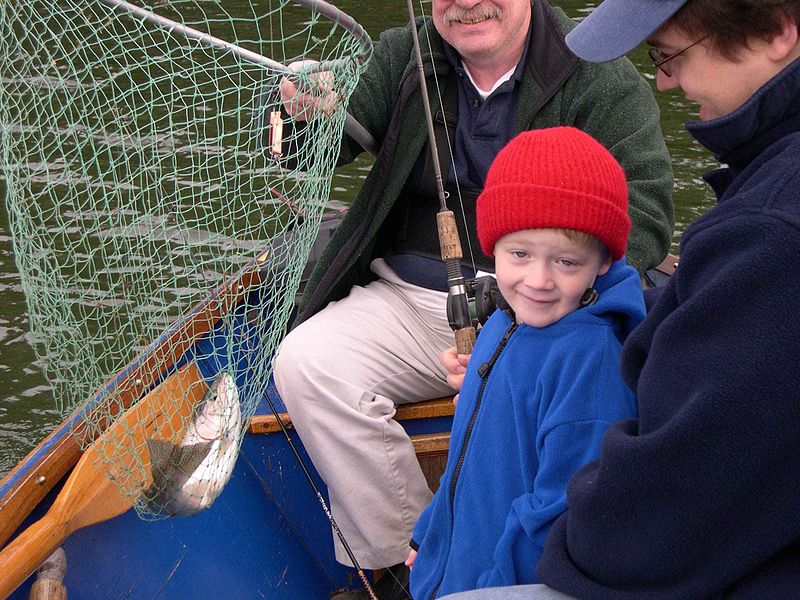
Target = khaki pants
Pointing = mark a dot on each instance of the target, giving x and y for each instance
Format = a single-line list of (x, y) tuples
[(341, 373)]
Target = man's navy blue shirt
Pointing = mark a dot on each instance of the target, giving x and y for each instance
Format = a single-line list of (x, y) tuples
[(484, 126)]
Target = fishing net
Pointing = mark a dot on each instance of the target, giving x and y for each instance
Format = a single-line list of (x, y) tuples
[(153, 203)]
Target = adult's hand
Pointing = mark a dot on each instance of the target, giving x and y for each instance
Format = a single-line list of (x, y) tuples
[(412, 556), (302, 104)]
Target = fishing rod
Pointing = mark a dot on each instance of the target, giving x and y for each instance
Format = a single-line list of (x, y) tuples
[(352, 127), (361, 575), (449, 243)]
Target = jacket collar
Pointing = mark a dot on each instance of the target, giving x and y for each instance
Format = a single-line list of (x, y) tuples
[(550, 61), (737, 138)]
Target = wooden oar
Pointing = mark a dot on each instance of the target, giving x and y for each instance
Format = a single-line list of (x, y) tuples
[(91, 495)]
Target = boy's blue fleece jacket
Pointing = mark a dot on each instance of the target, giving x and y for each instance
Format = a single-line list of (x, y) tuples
[(519, 436)]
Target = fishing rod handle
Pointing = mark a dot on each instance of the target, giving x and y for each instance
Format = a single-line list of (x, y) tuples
[(449, 242), (458, 310), (465, 340)]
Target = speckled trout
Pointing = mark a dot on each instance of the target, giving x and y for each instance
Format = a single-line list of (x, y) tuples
[(188, 477)]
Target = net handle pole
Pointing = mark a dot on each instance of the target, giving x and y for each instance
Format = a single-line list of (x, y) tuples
[(343, 19), (352, 127)]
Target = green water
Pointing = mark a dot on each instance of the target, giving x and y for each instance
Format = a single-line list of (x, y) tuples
[(27, 408)]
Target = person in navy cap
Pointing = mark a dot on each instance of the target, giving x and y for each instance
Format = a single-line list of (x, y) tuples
[(700, 496)]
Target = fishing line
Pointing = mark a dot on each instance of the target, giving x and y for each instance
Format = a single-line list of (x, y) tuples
[(458, 314), (361, 575), (354, 129), (449, 147)]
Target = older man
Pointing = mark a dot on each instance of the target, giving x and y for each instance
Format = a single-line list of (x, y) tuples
[(373, 321)]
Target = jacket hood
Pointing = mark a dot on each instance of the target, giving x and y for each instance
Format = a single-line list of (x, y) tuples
[(620, 297)]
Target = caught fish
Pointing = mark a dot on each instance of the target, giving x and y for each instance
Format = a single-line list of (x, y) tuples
[(188, 477)]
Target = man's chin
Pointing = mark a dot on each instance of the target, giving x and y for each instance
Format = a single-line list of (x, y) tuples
[(477, 53)]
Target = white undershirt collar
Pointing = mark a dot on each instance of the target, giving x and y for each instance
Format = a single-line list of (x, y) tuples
[(503, 78)]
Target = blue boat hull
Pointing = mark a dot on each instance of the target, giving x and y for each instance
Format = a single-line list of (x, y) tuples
[(265, 536)]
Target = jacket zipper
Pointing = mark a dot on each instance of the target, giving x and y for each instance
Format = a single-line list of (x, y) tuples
[(483, 371)]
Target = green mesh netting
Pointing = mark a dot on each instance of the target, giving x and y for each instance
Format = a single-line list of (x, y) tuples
[(136, 153)]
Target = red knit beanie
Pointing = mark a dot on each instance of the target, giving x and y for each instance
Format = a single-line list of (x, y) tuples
[(555, 178)]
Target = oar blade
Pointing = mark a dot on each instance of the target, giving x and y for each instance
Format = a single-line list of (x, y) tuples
[(93, 492)]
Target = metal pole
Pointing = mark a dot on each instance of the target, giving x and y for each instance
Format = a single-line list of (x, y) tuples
[(352, 127)]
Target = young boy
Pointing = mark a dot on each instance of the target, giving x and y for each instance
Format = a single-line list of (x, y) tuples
[(543, 382)]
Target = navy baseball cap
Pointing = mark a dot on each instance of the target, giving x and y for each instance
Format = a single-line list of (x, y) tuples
[(617, 26)]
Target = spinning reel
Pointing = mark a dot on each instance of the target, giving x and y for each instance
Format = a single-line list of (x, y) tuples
[(483, 298)]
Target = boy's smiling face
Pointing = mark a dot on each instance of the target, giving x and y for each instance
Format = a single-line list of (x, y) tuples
[(543, 274)]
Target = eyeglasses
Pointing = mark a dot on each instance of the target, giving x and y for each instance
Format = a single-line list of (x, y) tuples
[(660, 60)]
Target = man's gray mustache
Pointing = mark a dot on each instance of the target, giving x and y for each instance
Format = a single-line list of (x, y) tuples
[(473, 15)]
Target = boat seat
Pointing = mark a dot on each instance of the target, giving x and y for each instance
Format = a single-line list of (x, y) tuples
[(431, 448)]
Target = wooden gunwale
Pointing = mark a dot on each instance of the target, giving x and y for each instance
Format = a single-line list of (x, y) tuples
[(440, 407), (668, 265)]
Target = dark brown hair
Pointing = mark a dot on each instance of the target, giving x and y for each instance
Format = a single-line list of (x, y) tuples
[(731, 23)]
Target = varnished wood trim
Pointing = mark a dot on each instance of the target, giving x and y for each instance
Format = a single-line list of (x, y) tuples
[(29, 491), (427, 444), (441, 407)]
